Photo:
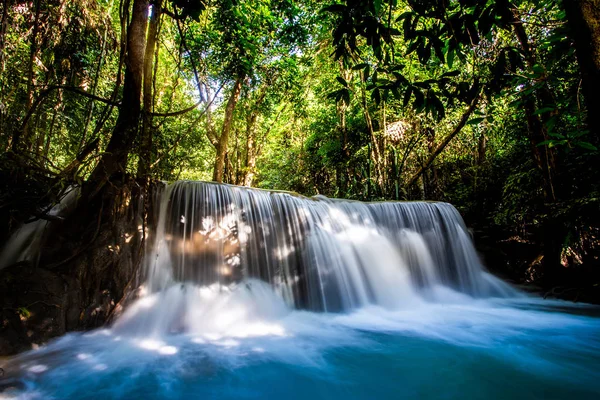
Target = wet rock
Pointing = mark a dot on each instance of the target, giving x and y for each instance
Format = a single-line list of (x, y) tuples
[(87, 267)]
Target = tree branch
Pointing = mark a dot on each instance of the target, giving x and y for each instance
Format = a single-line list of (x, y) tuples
[(52, 88), (446, 141), (181, 136), (176, 113), (191, 108), (173, 15)]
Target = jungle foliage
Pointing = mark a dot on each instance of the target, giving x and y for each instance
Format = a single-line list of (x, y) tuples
[(490, 105)]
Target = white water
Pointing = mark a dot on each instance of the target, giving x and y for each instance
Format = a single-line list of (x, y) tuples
[(406, 310), (25, 243), (242, 341), (318, 254)]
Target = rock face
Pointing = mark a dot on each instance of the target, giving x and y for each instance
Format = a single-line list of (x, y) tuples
[(88, 265)]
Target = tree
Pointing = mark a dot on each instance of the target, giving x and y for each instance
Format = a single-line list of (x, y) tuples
[(584, 24), (121, 142)]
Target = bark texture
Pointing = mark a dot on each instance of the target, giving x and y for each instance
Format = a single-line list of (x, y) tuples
[(146, 137), (584, 22), (88, 268), (121, 142), (227, 122)]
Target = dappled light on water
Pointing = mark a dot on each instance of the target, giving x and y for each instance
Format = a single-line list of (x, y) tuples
[(253, 294), (318, 254)]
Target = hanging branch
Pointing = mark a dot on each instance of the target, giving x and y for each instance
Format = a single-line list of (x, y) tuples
[(176, 113), (190, 126), (446, 140), (70, 171), (72, 89), (124, 21), (194, 68)]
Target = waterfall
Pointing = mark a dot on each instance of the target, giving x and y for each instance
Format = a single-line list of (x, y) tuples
[(317, 253), (25, 244), (233, 275)]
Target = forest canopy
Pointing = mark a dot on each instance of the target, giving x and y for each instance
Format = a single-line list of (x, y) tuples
[(489, 105)]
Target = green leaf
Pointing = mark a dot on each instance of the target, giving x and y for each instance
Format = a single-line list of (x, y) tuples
[(577, 134), (475, 121), (544, 110), (377, 6), (586, 145), (419, 99), (407, 96), (404, 15), (24, 312), (342, 81), (334, 8), (333, 95), (450, 58), (376, 96), (413, 46), (538, 69), (346, 96), (360, 66), (451, 73), (553, 143)]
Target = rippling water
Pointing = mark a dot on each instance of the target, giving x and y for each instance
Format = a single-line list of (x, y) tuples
[(247, 344), (406, 311)]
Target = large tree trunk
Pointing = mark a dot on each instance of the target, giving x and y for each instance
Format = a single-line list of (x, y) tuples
[(146, 138), (224, 138), (584, 21), (121, 141)]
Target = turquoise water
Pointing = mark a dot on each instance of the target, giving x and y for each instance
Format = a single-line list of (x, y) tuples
[(409, 312), (460, 349)]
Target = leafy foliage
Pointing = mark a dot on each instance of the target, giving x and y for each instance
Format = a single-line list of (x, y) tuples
[(474, 102)]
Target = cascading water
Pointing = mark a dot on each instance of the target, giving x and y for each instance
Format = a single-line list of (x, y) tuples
[(318, 254), (25, 243), (259, 294)]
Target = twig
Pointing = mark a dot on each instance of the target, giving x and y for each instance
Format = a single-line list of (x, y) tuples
[(52, 88)]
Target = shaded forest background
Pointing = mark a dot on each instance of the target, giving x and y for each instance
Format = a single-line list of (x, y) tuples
[(489, 105)]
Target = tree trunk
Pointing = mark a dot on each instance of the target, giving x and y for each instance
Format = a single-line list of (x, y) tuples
[(57, 109), (114, 158), (22, 137), (211, 131), (146, 139), (383, 147), (543, 156), (341, 108), (3, 28), (375, 152), (481, 148), (430, 180), (250, 150), (227, 122), (440, 147), (90, 107), (583, 17)]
